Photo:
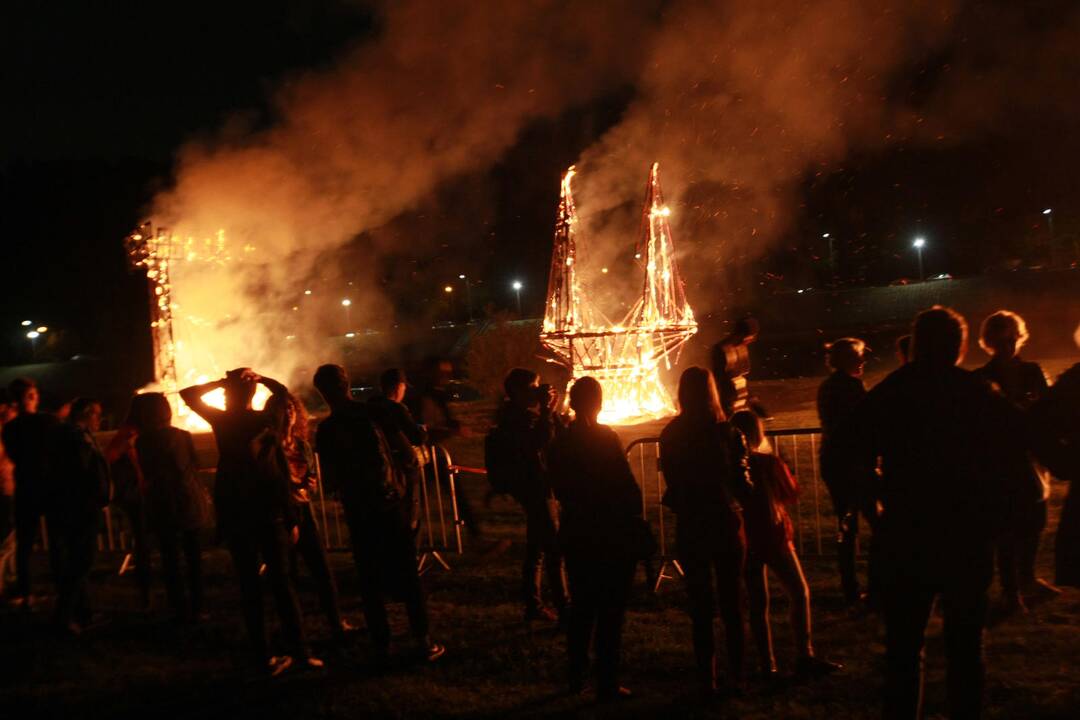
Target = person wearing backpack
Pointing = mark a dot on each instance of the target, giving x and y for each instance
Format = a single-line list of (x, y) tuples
[(357, 463), (515, 455)]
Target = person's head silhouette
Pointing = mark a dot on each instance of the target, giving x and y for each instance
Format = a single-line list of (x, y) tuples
[(332, 382), (240, 388), (586, 399), (1003, 334), (698, 398), (939, 338)]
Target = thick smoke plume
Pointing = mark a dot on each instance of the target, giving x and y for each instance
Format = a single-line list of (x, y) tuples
[(740, 102), (445, 89)]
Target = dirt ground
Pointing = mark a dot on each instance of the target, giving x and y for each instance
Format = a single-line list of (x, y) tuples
[(142, 665)]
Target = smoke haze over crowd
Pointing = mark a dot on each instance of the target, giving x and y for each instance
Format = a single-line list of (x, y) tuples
[(741, 103)]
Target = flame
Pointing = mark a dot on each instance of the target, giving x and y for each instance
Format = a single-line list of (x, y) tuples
[(624, 357), (177, 363)]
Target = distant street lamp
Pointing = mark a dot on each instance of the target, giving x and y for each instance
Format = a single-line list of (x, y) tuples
[(347, 304), (832, 253), (33, 335), (26, 323), (919, 244), (1049, 213), (517, 291), (468, 295)]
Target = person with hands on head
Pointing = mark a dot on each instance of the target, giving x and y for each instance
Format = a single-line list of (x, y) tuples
[(255, 517)]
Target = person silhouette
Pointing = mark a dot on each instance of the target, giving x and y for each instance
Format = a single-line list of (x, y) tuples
[(948, 447), (357, 463), (254, 515), (602, 535), (704, 460), (1022, 383)]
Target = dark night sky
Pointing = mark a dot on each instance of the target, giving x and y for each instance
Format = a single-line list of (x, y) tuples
[(100, 96)]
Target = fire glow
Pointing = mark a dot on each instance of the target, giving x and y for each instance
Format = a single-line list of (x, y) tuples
[(177, 343), (625, 357)]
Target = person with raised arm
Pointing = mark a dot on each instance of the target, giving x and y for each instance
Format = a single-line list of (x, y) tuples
[(255, 517)]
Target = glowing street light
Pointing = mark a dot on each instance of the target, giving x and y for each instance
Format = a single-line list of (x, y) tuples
[(832, 254), (448, 289), (919, 244), (468, 295), (517, 285), (42, 329), (307, 292), (347, 304), (26, 323), (33, 334)]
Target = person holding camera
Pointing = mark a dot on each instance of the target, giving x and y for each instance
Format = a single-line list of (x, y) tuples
[(515, 454)]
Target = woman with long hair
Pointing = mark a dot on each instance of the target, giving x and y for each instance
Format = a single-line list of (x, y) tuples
[(769, 536), (704, 463), (174, 504), (291, 418)]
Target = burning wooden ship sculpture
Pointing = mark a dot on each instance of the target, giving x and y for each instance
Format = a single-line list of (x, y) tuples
[(159, 253), (625, 356)]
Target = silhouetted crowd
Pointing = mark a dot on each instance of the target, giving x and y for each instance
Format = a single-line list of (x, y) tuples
[(948, 468)]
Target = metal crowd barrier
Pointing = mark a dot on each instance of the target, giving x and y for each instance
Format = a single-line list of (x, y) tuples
[(812, 515), (440, 522)]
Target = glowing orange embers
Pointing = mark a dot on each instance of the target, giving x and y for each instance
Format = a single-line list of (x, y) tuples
[(625, 357)]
